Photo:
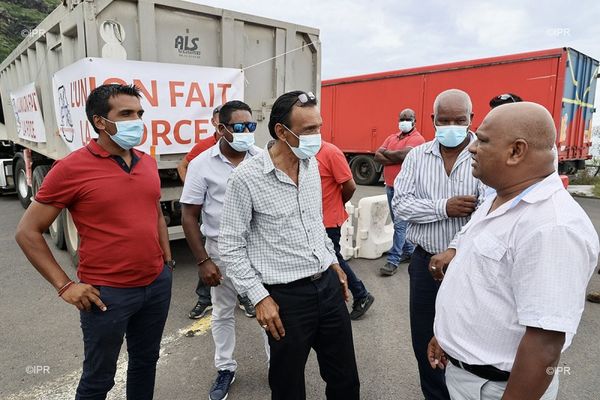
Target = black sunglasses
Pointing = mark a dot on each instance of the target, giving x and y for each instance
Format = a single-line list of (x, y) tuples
[(240, 127)]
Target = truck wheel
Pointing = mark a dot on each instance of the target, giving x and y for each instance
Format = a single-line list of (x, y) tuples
[(39, 173), (71, 237), (56, 229), (57, 232), (364, 170), (23, 190)]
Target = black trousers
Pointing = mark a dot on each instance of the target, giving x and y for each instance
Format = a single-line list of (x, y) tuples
[(314, 315), (423, 291)]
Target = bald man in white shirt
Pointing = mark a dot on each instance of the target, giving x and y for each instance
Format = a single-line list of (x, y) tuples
[(514, 292)]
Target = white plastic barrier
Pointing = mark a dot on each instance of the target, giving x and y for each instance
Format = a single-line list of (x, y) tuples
[(347, 234), (373, 236)]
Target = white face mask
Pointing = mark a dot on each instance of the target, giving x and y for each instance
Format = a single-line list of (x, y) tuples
[(405, 126), (309, 145)]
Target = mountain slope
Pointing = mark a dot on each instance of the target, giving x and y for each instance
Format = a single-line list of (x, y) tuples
[(17, 18)]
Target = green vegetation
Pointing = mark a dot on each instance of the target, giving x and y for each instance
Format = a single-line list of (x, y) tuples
[(585, 177), (596, 189), (17, 18)]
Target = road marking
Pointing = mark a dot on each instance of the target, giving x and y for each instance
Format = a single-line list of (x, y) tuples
[(198, 328), (64, 387)]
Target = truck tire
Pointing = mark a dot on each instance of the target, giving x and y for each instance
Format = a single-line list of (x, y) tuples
[(364, 170), (56, 229), (71, 237), (39, 173), (37, 177), (23, 190), (57, 232)]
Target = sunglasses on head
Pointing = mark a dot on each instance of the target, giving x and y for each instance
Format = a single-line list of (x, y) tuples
[(306, 97), (303, 98), (240, 127), (506, 96)]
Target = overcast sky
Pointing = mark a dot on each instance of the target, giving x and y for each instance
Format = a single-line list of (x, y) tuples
[(360, 37)]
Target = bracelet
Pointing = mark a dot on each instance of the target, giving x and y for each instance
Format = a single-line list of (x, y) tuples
[(203, 261), (64, 288)]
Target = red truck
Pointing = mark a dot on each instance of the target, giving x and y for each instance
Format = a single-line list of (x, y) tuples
[(359, 112)]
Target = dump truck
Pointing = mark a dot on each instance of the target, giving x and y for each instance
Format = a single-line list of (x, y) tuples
[(186, 58), (359, 112)]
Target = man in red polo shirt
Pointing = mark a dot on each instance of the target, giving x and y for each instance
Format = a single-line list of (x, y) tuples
[(199, 147), (125, 266), (337, 187), (391, 154)]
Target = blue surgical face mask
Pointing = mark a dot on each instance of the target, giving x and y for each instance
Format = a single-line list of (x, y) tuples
[(308, 147), (129, 133), (405, 126), (451, 135), (241, 141)]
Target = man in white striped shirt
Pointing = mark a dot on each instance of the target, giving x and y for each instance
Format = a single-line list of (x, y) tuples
[(436, 193)]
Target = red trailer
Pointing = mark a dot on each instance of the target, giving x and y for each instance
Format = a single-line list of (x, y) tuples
[(359, 112)]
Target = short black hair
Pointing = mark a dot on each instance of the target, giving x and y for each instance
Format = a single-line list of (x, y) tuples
[(282, 109), (504, 98), (229, 108), (97, 102)]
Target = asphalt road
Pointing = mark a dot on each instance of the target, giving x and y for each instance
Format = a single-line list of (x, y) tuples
[(41, 350)]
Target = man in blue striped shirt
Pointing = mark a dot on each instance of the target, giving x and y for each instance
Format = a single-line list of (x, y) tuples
[(436, 193)]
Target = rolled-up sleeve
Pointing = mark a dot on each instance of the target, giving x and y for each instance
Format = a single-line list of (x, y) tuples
[(233, 236), (406, 205)]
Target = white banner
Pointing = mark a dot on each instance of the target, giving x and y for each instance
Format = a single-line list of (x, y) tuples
[(28, 114), (177, 100)]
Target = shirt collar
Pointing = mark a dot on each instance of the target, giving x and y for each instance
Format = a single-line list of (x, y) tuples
[(216, 151), (268, 165), (541, 190), (99, 151), (96, 150), (399, 134)]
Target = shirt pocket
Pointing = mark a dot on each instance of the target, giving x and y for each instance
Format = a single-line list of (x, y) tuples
[(490, 252)]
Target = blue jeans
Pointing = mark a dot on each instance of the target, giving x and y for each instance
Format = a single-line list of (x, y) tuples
[(400, 246), (138, 313), (355, 285), (203, 293)]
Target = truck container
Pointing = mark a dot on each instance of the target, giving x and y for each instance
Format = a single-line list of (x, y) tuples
[(359, 112), (274, 56)]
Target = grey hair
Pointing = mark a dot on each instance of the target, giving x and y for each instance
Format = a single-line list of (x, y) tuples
[(453, 92)]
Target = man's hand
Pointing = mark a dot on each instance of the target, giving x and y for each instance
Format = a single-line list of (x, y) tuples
[(435, 354), (343, 280), (209, 273), (82, 295), (461, 206), (267, 315), (439, 262)]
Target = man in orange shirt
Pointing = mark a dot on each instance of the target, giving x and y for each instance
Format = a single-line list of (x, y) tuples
[(391, 154), (337, 187), (199, 147), (204, 303)]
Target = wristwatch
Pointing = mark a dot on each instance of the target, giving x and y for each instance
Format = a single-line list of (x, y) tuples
[(171, 263)]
